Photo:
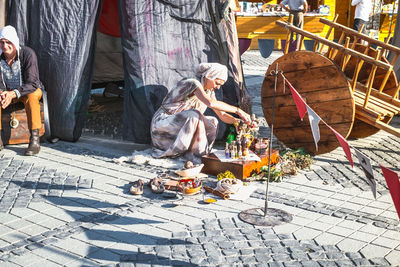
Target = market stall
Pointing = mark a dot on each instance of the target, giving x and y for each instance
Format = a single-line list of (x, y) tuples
[(387, 20), (382, 18), (255, 21)]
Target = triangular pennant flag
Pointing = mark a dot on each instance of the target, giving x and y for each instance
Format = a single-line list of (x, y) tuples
[(300, 104), (314, 121), (365, 163), (393, 183), (345, 145)]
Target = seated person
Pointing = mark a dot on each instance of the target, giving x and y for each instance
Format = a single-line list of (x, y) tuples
[(19, 81), (179, 128)]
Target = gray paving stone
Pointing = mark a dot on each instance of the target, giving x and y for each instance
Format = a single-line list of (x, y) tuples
[(317, 255), (196, 260), (293, 264), (353, 255), (299, 256), (344, 262), (281, 257), (327, 263), (246, 252), (34, 246), (361, 262), (5, 257), (247, 259), (132, 257), (256, 243), (231, 252), (279, 250), (263, 258), (196, 253), (379, 262), (275, 264), (7, 248)]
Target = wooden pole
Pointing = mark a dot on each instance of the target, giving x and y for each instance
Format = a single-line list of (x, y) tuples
[(385, 79), (339, 47), (357, 70), (342, 36), (371, 79), (396, 94), (329, 32), (271, 138), (288, 35), (346, 58), (359, 35)]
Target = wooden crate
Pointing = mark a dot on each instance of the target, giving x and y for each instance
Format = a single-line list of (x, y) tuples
[(21, 134), (241, 169)]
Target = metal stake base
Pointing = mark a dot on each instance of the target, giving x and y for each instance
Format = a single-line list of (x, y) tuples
[(273, 217)]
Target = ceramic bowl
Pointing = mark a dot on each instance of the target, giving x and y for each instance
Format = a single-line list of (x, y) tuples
[(189, 190), (190, 172)]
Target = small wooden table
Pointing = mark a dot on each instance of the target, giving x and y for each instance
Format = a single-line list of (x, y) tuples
[(241, 169)]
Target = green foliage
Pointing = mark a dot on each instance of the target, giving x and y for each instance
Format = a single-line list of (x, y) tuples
[(290, 163), (274, 176)]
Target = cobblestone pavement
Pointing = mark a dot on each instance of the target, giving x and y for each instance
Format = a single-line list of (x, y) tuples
[(70, 206)]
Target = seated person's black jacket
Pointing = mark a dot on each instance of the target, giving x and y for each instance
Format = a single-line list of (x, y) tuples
[(29, 71)]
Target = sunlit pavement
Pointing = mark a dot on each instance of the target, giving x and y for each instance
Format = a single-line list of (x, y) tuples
[(70, 206)]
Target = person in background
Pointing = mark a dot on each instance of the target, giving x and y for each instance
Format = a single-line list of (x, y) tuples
[(19, 81), (361, 16), (179, 128), (297, 8)]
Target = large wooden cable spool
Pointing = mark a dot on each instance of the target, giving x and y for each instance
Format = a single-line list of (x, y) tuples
[(325, 89), (360, 128)]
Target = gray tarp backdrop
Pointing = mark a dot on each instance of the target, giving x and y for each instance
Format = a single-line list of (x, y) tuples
[(162, 42)]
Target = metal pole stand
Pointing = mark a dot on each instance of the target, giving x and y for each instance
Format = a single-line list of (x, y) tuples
[(267, 216)]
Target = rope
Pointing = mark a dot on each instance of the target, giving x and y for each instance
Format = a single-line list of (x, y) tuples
[(229, 185)]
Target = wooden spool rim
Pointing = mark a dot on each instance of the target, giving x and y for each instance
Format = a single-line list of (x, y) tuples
[(332, 100)]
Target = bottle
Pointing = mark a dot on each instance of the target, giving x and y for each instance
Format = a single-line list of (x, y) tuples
[(233, 148), (235, 152), (244, 144), (240, 152), (245, 151), (227, 153), (257, 147)]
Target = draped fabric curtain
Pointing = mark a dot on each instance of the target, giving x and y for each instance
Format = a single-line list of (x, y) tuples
[(162, 41), (62, 33)]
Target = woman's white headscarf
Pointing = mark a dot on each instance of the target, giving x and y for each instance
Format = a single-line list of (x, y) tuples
[(212, 71)]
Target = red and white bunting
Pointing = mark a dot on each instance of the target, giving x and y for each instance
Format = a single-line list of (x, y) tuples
[(345, 145), (365, 163), (314, 121), (300, 104), (393, 183)]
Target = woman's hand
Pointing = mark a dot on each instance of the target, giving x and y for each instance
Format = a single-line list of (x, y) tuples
[(244, 116)]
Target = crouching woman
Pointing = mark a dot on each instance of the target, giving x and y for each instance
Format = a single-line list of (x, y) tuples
[(179, 128)]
